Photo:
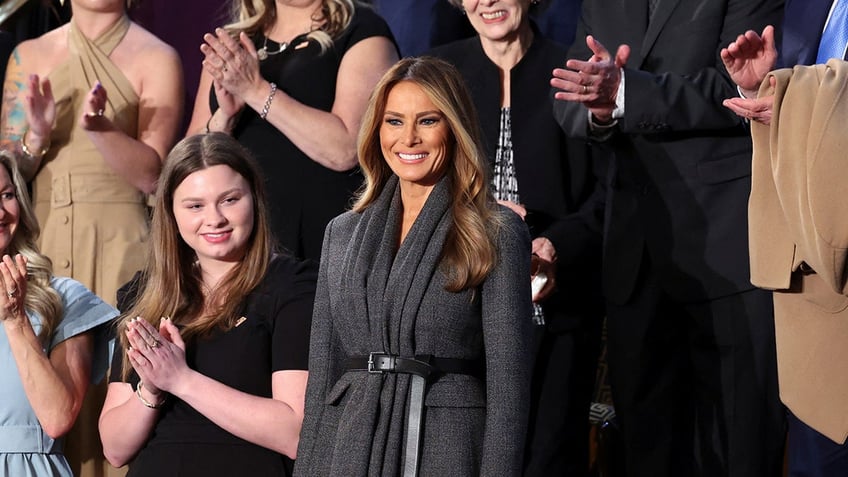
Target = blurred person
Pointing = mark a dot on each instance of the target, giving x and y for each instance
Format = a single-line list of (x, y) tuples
[(420, 349), (51, 342), (548, 180), (211, 373), (290, 80), (90, 121), (690, 341), (800, 106), (419, 25)]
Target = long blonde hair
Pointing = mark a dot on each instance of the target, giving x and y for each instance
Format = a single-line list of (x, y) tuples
[(257, 17), (171, 284), (470, 250), (40, 296)]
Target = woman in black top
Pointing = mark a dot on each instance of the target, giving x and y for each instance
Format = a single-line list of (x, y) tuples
[(210, 380), (291, 84)]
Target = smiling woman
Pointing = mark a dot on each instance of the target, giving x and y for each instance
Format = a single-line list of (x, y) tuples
[(216, 323), (418, 364), (50, 348)]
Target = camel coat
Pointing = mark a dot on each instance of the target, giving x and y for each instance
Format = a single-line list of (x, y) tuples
[(799, 238)]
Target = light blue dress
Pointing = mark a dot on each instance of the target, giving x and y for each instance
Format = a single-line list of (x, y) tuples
[(25, 449)]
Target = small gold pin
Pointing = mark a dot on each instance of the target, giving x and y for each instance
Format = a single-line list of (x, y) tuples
[(240, 320)]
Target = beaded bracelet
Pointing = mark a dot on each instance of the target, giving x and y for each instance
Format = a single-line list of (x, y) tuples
[(268, 101), (147, 403)]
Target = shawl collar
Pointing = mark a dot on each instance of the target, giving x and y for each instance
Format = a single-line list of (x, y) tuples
[(395, 280)]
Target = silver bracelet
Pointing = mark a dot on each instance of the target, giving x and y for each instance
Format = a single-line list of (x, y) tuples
[(147, 403), (268, 101)]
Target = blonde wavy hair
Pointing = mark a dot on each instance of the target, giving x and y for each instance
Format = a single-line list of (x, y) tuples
[(40, 297), (171, 284), (470, 251), (258, 16)]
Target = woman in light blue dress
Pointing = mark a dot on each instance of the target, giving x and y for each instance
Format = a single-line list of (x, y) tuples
[(49, 344)]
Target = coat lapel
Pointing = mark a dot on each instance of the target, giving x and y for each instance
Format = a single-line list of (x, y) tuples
[(663, 11)]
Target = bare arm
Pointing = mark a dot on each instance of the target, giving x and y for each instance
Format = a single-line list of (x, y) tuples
[(54, 385), (139, 160), (28, 112), (235, 68)]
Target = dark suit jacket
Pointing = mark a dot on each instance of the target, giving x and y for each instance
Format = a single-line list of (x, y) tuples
[(802, 28), (680, 178), (555, 178)]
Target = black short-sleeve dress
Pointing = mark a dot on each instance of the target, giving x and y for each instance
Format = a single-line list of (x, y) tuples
[(274, 336), (303, 195)]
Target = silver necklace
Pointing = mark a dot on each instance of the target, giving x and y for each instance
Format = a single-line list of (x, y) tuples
[(263, 52)]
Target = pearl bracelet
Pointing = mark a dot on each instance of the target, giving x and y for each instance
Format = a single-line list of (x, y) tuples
[(268, 101), (147, 403)]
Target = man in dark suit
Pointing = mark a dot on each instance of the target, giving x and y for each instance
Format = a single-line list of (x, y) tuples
[(813, 32), (690, 341)]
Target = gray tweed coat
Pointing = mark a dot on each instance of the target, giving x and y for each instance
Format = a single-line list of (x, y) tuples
[(374, 298)]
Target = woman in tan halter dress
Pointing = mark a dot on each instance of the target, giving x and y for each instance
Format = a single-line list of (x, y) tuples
[(90, 109)]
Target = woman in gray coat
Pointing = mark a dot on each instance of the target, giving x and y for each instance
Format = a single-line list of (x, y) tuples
[(419, 360)]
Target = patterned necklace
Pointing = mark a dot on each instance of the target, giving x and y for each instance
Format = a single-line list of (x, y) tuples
[(263, 52)]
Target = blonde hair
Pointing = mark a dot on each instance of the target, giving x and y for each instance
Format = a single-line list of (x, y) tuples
[(171, 284), (40, 297), (257, 16), (470, 250)]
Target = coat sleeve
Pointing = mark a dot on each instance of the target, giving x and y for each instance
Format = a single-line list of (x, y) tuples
[(506, 311), (320, 359)]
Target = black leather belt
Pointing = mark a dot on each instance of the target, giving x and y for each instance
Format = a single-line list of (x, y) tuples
[(422, 367)]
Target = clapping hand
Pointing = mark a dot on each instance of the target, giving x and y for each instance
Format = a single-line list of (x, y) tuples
[(594, 82), (13, 274), (157, 356)]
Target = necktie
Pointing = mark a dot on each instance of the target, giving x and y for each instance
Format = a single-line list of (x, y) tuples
[(835, 35)]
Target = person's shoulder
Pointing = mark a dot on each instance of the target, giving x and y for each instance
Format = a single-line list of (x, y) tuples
[(285, 270), (455, 50), (365, 23), (364, 14), (43, 49), (149, 47)]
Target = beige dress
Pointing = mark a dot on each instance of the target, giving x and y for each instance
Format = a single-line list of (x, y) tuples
[(94, 224)]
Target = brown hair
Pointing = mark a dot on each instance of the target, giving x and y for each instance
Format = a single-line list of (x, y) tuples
[(470, 250), (171, 284)]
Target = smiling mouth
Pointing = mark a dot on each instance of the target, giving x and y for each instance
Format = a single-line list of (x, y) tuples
[(493, 15), (412, 157)]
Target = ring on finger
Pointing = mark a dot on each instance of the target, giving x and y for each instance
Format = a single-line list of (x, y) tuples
[(585, 89), (11, 293)]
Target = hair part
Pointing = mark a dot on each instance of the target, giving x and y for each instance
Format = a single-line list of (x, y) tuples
[(257, 17), (40, 297), (171, 285), (470, 251)]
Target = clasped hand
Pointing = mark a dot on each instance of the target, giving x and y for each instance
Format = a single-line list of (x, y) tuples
[(157, 356)]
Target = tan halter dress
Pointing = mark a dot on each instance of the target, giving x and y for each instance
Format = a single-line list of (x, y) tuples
[(93, 222)]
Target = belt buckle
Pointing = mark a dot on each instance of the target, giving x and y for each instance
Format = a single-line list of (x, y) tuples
[(379, 363)]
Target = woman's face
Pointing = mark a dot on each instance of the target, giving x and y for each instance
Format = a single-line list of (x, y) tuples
[(414, 136), (10, 210), (497, 20), (213, 209)]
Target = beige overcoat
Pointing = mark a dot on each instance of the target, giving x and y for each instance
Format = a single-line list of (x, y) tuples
[(798, 225)]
